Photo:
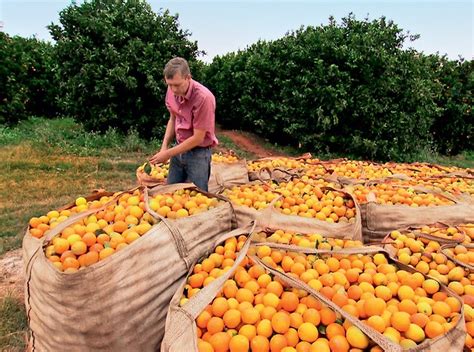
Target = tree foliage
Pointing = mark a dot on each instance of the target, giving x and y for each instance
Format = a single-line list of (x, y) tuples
[(348, 88), (27, 79), (112, 55)]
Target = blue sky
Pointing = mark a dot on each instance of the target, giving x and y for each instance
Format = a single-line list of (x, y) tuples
[(221, 26)]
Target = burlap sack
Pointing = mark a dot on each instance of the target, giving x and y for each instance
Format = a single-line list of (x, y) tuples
[(118, 304), (272, 218), (278, 173), (226, 175), (379, 219), (181, 330)]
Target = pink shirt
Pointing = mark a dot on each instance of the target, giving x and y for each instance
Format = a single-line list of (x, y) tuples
[(195, 110)]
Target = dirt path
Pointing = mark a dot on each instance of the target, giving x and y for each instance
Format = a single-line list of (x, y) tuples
[(250, 143)]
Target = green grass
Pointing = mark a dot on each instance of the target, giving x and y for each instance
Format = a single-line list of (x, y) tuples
[(13, 324)]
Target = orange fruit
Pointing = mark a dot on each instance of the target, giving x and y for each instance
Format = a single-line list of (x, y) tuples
[(308, 332), (239, 343), (289, 301), (232, 318), (220, 341), (433, 329), (339, 343), (357, 338), (260, 344), (400, 321), (281, 322), (277, 343)]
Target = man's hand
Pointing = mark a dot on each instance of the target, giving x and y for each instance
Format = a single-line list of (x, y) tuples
[(160, 157)]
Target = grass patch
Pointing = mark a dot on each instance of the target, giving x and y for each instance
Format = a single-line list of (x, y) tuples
[(48, 163), (13, 325)]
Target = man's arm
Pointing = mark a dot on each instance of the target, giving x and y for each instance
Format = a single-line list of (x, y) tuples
[(169, 134), (188, 144)]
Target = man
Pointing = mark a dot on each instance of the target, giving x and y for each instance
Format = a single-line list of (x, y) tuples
[(192, 122)]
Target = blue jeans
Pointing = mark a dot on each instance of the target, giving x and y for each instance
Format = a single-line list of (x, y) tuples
[(193, 165)]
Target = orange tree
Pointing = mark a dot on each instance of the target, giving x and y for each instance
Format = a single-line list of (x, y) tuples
[(346, 88), (112, 55)]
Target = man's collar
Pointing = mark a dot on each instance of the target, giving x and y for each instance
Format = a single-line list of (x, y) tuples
[(190, 89)]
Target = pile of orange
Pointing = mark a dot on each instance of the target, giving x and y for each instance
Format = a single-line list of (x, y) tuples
[(182, 203), (113, 228), (224, 158), (390, 194), (313, 201), (424, 254)]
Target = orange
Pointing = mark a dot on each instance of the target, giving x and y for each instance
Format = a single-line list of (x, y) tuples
[(357, 338), (415, 333), (239, 343), (433, 329), (327, 316), (400, 321), (260, 344), (374, 306), (308, 332), (204, 346), (232, 318), (289, 301), (292, 337), (339, 343), (250, 315), (377, 323), (281, 322), (203, 319), (334, 329), (219, 305), (320, 345), (312, 316), (277, 343), (249, 331), (220, 341), (442, 308), (215, 325), (264, 328)]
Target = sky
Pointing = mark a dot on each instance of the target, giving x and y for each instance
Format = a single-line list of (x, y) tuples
[(222, 26)]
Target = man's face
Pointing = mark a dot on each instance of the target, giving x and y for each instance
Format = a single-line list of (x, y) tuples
[(178, 84)]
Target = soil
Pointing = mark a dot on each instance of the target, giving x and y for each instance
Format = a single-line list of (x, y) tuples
[(11, 274), (250, 143), (11, 263)]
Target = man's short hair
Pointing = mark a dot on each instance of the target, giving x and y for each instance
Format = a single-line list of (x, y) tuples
[(175, 65)]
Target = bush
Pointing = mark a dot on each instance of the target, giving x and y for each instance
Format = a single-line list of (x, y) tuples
[(112, 56), (453, 130), (27, 81)]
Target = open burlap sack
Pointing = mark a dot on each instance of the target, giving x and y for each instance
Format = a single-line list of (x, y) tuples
[(379, 219), (225, 175), (120, 303), (277, 173), (30, 243), (181, 330), (273, 218)]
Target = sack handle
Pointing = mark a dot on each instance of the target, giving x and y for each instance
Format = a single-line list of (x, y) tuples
[(175, 233), (466, 266)]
